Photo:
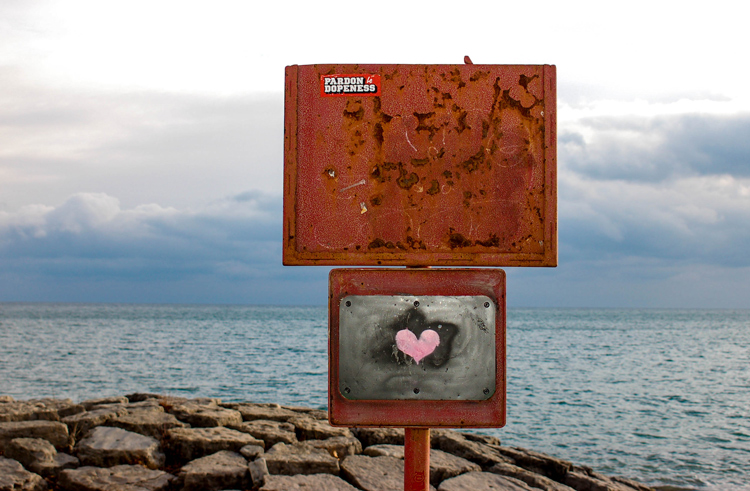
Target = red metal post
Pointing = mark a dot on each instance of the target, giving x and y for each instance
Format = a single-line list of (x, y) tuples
[(417, 459)]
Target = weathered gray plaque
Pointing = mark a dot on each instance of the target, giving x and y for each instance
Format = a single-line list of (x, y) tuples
[(417, 347)]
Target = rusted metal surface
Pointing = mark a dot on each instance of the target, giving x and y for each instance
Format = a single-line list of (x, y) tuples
[(417, 459), (388, 363), (420, 165)]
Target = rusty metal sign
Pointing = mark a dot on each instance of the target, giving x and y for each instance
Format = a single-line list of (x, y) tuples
[(401, 337), (420, 165)]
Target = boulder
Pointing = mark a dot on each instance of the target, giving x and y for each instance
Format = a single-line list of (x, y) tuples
[(258, 472), (442, 464), (120, 478), (153, 422), (379, 436), (53, 431), (338, 446), (251, 412), (79, 424), (313, 413), (300, 458), (13, 477), (107, 446), (374, 473), (456, 444), (316, 482), (222, 470), (192, 443), (584, 479), (38, 409), (89, 404), (531, 478), (271, 432), (314, 429), (39, 456), (536, 462), (251, 452), (206, 415), (474, 481)]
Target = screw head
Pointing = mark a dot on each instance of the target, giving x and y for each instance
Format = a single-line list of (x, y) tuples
[(486, 305), (416, 303), (348, 303), (486, 391), (347, 390), (416, 390)]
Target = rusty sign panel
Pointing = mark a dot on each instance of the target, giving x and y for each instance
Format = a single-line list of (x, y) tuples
[(420, 165), (402, 337)]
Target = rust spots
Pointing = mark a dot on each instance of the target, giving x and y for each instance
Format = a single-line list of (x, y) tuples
[(474, 162), (524, 81), (448, 174), (457, 240), (434, 188), (377, 133), (354, 110), (378, 242), (478, 76), (493, 241), (411, 243), (376, 200), (406, 179)]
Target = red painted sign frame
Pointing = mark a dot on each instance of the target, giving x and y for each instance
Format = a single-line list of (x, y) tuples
[(417, 413)]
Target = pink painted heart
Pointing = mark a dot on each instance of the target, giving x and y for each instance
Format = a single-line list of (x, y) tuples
[(407, 342)]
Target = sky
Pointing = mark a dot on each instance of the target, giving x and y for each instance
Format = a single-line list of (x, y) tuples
[(141, 143)]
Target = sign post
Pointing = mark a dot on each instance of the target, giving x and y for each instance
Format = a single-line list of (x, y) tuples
[(419, 166)]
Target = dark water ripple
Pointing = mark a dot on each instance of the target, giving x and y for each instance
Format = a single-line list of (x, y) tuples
[(662, 396)]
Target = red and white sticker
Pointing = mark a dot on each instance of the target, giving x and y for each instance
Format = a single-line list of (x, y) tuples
[(350, 84)]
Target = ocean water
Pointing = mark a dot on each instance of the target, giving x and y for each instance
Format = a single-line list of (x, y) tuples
[(661, 396)]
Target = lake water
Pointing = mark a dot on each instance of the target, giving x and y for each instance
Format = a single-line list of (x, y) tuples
[(661, 396)]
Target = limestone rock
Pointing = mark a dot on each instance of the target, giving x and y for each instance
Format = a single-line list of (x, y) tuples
[(374, 473), (271, 432), (53, 431), (442, 464), (206, 415), (38, 409), (300, 458), (251, 452), (312, 413), (584, 479), (192, 443), (531, 478), (13, 477), (379, 436), (5, 399), (30, 450), (456, 444), (222, 470), (107, 446), (316, 482), (39, 456), (536, 462), (79, 424), (315, 429), (338, 446), (91, 403), (119, 478), (151, 422), (251, 412), (474, 481), (258, 472), (478, 437)]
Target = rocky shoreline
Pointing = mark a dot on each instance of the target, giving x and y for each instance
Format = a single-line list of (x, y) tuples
[(149, 442)]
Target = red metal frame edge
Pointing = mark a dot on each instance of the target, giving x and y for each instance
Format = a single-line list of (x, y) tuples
[(416, 413)]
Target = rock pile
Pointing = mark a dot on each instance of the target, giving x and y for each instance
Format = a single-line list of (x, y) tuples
[(147, 442)]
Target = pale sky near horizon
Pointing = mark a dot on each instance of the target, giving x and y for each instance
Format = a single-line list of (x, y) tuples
[(141, 143)]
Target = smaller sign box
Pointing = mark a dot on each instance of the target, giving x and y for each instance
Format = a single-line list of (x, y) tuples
[(402, 337)]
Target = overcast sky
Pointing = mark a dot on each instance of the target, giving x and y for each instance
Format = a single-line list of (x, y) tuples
[(141, 143)]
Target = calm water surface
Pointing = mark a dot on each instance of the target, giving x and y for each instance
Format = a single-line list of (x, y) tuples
[(662, 396)]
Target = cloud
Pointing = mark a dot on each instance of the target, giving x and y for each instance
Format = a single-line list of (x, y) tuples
[(657, 148), (176, 149)]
